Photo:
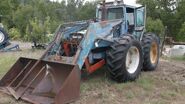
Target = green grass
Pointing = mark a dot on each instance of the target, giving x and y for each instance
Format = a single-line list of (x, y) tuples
[(146, 82), (169, 94), (143, 82), (178, 58), (130, 95), (5, 63), (9, 58)]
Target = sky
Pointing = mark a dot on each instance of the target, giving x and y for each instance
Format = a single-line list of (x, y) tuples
[(125, 1), (131, 2)]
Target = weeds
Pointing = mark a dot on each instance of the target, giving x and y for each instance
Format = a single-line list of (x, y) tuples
[(146, 82), (177, 58), (130, 95), (5, 63)]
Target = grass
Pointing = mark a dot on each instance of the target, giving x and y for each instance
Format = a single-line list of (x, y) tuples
[(147, 87), (169, 94), (177, 58), (130, 95), (145, 82), (5, 63), (8, 59)]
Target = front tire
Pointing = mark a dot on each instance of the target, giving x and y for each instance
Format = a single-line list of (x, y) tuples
[(124, 59)]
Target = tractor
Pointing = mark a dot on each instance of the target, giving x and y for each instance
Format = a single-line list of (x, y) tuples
[(115, 39)]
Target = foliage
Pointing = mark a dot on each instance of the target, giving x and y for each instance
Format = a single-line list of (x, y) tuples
[(36, 18), (155, 26), (181, 35), (87, 11), (170, 12), (21, 18), (37, 30), (14, 33)]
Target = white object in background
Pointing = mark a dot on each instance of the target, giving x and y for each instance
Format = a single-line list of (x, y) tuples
[(177, 50)]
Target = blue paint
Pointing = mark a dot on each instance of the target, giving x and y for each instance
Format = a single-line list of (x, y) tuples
[(94, 31)]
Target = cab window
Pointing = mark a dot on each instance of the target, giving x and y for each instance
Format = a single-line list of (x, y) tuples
[(114, 13)]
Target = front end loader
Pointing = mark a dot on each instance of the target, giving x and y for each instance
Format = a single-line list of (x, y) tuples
[(116, 39)]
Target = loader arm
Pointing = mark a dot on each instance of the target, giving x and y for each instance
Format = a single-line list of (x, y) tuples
[(95, 31)]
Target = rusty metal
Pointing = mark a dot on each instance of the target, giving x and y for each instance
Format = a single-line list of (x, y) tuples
[(47, 83), (103, 11), (92, 68), (77, 55)]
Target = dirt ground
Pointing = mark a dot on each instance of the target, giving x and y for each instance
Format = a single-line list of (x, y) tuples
[(165, 85)]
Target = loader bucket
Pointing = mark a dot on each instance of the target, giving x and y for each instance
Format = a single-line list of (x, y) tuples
[(42, 82)]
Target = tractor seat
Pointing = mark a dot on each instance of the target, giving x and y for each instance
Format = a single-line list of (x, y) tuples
[(130, 29)]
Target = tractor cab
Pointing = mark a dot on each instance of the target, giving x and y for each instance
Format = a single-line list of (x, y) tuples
[(133, 17)]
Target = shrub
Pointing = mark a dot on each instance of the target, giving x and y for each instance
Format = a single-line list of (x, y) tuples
[(156, 26), (37, 30), (14, 34), (181, 35)]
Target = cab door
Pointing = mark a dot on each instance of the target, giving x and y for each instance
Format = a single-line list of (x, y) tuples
[(140, 18)]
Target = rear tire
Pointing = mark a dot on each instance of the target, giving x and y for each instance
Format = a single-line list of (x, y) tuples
[(124, 59), (151, 51)]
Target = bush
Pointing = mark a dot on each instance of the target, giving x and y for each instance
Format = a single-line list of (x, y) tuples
[(155, 26), (14, 34), (181, 35), (37, 30)]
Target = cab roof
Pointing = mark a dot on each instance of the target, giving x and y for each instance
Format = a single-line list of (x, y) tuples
[(119, 4)]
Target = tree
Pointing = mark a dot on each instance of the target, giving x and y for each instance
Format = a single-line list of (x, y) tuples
[(152, 8), (155, 26), (22, 17), (180, 16), (87, 11), (170, 12), (181, 35), (37, 31), (27, 16)]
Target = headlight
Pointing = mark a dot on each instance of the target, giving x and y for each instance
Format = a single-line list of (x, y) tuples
[(96, 43)]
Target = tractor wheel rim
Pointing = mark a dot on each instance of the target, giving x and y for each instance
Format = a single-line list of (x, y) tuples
[(132, 59), (153, 53), (1, 37)]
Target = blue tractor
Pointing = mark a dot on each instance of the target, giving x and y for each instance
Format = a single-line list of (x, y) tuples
[(115, 39)]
